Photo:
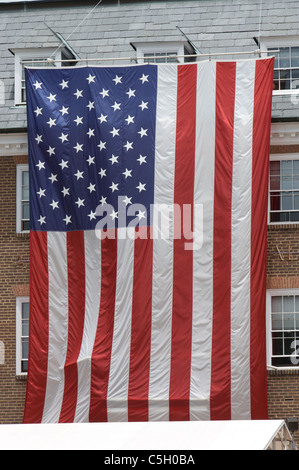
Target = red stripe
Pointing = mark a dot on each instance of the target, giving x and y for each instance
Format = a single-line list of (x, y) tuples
[(76, 312), (101, 356), (183, 259), (260, 171), (141, 329), (39, 329), (220, 405)]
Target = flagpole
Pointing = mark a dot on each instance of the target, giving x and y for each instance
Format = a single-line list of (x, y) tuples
[(135, 59)]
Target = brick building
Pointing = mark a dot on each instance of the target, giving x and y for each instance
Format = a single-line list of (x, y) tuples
[(37, 30)]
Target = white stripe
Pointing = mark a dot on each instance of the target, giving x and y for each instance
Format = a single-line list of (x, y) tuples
[(241, 239), (92, 246), (58, 325), (203, 258), (117, 399), (163, 249)]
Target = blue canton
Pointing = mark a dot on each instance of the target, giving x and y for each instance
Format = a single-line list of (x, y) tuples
[(91, 134)]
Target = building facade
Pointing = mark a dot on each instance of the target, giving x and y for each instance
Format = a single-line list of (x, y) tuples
[(134, 31)]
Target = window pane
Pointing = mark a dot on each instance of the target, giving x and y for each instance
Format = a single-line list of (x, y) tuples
[(277, 347), (276, 304), (295, 56), (25, 348), (24, 366), (288, 322), (284, 56), (277, 322), (25, 310), (288, 303), (25, 210), (287, 202)]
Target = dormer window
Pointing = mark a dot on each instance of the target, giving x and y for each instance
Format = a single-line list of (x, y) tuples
[(35, 55)]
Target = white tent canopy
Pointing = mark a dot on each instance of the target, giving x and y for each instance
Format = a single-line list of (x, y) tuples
[(194, 435)]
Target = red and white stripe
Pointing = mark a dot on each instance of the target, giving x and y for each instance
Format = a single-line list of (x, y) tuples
[(128, 328)]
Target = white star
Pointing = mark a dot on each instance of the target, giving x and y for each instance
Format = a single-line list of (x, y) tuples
[(53, 178), (67, 219), (39, 139), (103, 118), (117, 79), (114, 215), (116, 106), (54, 204), (103, 200), (41, 165), (90, 105), (51, 97), (37, 85), (144, 78), (52, 122), (78, 147), (102, 173), (90, 133), (143, 132), (114, 132), (143, 105), (114, 187), (127, 173), (128, 146), (65, 191), (41, 193), (90, 160), (63, 164), (141, 159), (91, 187), (78, 120), (42, 220), (102, 145), (104, 93), (38, 111), (63, 137), (92, 215), (141, 187), (64, 110), (78, 94), (80, 202), (79, 174), (64, 84), (113, 160), (141, 215), (131, 93), (130, 119), (51, 151), (90, 79), (127, 200)]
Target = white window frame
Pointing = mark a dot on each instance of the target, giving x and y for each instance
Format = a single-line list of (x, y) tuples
[(280, 157), (271, 293), (165, 47), (277, 42), (20, 170), (19, 302), (29, 54)]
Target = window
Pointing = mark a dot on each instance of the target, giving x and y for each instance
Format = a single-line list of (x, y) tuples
[(164, 52), (23, 210), (40, 54), (283, 328), (284, 189), (22, 335), (286, 68)]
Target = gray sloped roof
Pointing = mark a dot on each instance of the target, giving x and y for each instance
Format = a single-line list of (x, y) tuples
[(212, 25)]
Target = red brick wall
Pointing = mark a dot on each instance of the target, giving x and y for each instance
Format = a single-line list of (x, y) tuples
[(14, 280)]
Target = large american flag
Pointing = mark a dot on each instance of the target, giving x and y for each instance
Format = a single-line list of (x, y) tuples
[(130, 320)]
